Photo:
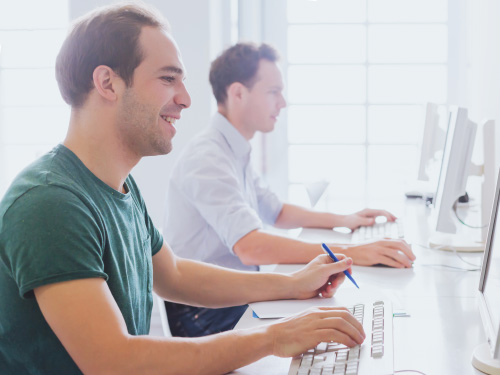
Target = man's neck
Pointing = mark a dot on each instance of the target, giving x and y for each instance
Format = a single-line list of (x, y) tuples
[(237, 122), (93, 139)]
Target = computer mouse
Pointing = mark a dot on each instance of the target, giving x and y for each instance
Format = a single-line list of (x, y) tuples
[(343, 230)]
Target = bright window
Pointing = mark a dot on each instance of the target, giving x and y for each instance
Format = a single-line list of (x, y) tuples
[(359, 74), (33, 117)]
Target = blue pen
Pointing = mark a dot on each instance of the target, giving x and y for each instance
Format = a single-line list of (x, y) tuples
[(334, 258)]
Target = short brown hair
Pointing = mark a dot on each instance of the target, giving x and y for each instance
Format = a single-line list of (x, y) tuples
[(238, 63), (107, 36)]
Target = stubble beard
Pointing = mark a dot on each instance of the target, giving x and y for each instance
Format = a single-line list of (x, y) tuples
[(139, 129)]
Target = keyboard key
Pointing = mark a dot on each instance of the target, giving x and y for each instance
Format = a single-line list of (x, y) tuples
[(354, 353), (339, 369), (307, 360), (378, 340), (377, 351), (352, 368), (334, 347), (321, 348), (378, 337)]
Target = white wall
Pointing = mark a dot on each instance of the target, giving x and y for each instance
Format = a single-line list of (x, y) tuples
[(483, 56)]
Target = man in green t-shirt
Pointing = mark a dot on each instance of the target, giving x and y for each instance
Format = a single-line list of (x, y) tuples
[(79, 255)]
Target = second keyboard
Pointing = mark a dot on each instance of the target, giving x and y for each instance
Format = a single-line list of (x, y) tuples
[(392, 230)]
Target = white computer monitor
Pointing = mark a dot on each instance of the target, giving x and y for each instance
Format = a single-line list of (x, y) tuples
[(489, 171), (431, 147), (486, 357), (455, 169), (431, 143)]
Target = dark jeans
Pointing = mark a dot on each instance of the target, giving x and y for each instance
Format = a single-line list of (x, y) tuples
[(190, 321)]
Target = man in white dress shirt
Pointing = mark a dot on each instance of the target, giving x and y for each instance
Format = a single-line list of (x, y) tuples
[(217, 204)]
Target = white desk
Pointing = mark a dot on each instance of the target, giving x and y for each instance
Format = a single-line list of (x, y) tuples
[(444, 327)]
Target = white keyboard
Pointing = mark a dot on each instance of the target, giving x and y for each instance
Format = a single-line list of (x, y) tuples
[(394, 230), (373, 357)]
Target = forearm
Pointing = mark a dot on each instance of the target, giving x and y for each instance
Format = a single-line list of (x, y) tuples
[(203, 284), (88, 322), (292, 216), (216, 354), (258, 248)]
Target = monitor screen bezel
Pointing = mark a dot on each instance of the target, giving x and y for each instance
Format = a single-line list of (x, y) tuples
[(452, 117), (427, 147), (455, 169), (492, 336)]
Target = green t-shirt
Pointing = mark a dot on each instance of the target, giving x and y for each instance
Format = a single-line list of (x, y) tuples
[(59, 222)]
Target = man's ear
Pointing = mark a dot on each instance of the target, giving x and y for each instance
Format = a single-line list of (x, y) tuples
[(107, 82), (236, 91)]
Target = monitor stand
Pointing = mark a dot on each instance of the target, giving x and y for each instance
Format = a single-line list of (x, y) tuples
[(481, 360), (455, 242)]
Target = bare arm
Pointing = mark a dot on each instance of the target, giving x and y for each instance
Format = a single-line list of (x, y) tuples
[(292, 216), (259, 247), (87, 321), (201, 284)]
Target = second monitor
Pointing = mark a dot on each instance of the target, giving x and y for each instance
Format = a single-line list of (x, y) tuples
[(456, 167)]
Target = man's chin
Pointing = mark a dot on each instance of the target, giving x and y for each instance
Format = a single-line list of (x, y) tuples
[(166, 150), (160, 150), (268, 129)]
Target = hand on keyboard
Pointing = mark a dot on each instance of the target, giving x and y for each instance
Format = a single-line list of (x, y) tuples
[(390, 252), (365, 217), (299, 333), (374, 357)]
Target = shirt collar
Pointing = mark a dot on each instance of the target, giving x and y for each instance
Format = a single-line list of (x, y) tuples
[(239, 145)]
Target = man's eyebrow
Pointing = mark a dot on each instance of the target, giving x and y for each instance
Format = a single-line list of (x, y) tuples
[(170, 69)]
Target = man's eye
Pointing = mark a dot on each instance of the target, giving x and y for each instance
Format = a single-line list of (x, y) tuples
[(168, 78)]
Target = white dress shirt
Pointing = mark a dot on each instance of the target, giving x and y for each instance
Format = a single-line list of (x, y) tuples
[(215, 198)]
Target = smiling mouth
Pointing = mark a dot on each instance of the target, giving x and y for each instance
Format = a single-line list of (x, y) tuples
[(169, 119)]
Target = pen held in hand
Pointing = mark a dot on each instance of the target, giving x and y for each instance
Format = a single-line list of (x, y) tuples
[(334, 258)]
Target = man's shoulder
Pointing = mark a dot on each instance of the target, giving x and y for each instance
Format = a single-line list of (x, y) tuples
[(205, 147), (41, 183), (209, 138), (37, 207), (39, 195)]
